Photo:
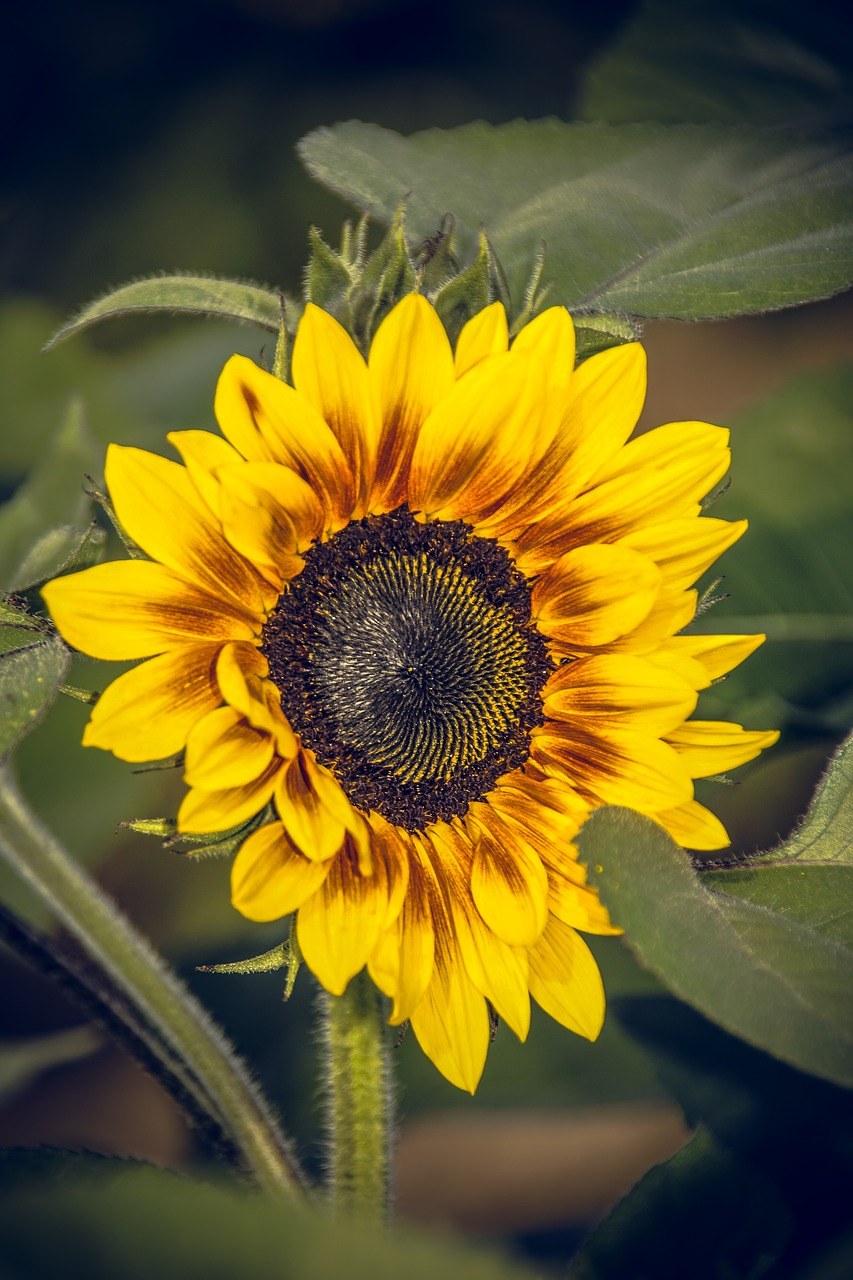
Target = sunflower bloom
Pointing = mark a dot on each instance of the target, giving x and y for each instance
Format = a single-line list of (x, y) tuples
[(422, 613)]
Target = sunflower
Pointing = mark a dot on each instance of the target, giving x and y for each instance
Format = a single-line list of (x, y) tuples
[(411, 619)]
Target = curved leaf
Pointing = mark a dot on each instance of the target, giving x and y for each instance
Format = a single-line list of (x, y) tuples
[(778, 973), (29, 682), (688, 221), (181, 295)]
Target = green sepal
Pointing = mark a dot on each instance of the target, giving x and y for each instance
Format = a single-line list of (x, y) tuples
[(294, 960), (534, 294), (216, 844), (278, 957), (435, 259), (328, 276), (89, 696), (387, 276), (467, 293), (161, 827)]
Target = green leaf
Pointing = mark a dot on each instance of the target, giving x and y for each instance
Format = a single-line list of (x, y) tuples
[(742, 60), (237, 300), (826, 836), (779, 980), (690, 221), (32, 547), (702, 1214), (120, 1218), (29, 681)]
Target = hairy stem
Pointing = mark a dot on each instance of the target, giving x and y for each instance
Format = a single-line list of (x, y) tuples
[(177, 1028), (359, 1102)]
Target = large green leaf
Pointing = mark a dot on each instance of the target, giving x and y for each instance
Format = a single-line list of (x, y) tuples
[(791, 575), (702, 1214), (47, 522), (88, 1218), (770, 960), (181, 295), (738, 60), (690, 221)]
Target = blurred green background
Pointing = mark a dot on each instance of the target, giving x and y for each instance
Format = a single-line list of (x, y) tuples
[(146, 136)]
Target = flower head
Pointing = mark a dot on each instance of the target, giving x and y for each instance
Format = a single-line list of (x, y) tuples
[(422, 613)]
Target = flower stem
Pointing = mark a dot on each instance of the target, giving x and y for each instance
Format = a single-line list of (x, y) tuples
[(177, 1027), (359, 1101)]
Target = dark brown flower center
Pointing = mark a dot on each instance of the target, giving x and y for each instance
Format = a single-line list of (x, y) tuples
[(407, 661)]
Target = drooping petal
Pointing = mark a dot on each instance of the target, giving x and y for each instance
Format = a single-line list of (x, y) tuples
[(134, 609), (148, 713), (415, 944), (485, 334), (316, 830), (574, 904), (267, 421), (708, 747), (203, 812), (157, 503), (508, 882), (594, 594), (694, 827), (240, 672), (339, 927), (411, 370), (224, 751), (565, 981), (619, 689), (270, 877), (497, 970), (330, 373), (451, 1022)]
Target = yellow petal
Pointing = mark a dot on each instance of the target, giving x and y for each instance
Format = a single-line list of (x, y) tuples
[(147, 713), (339, 927), (159, 506), (267, 421), (269, 514), (594, 594), (411, 369), (270, 877), (332, 376), (551, 335), (485, 334), (508, 881), (134, 608), (619, 689), (415, 945), (497, 970), (383, 963), (202, 454), (480, 439), (694, 827), (223, 751), (616, 766), (695, 449), (240, 672), (565, 981), (203, 812), (712, 746), (312, 827), (684, 549), (718, 654), (578, 906), (451, 1022), (394, 848), (601, 407)]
